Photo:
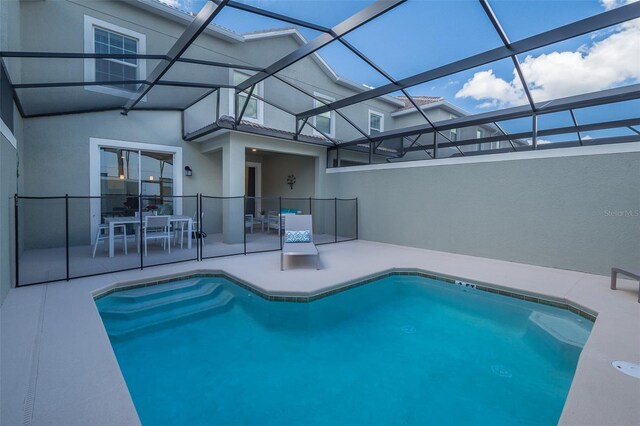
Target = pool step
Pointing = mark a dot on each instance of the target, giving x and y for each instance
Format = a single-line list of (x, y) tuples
[(157, 291), (171, 299), (171, 315), (565, 330)]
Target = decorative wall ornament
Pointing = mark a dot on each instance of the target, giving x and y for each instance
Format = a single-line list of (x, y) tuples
[(291, 180)]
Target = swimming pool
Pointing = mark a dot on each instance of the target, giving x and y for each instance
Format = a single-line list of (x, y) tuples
[(400, 350)]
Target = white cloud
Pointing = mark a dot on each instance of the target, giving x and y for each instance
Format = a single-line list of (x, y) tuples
[(172, 3), (609, 62), (612, 4), (494, 91)]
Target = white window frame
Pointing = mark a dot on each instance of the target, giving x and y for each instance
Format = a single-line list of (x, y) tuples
[(478, 133), (90, 24), (259, 90), (454, 135), (332, 114), (379, 114), (94, 170)]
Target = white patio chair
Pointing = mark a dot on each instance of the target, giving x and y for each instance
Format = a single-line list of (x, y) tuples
[(272, 221), (102, 234), (157, 228), (137, 214), (248, 222), (298, 233), (196, 222), (276, 221), (181, 228)]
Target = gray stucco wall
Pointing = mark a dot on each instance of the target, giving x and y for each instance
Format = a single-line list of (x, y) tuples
[(56, 155), (56, 162), (275, 170), (579, 213), (63, 22)]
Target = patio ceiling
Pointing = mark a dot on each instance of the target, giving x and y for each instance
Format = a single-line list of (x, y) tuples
[(170, 86)]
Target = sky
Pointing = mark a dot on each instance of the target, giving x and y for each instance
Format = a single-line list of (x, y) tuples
[(422, 34)]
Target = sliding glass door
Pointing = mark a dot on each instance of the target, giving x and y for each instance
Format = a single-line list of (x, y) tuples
[(126, 173), (157, 181)]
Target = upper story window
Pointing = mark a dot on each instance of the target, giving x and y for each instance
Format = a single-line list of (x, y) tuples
[(255, 108), (116, 69), (376, 122), (104, 37), (478, 134), (324, 122)]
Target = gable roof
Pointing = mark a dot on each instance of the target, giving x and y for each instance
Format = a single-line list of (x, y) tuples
[(180, 15), (420, 100), (301, 40)]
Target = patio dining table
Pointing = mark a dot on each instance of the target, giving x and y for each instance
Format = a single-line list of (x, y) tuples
[(133, 220)]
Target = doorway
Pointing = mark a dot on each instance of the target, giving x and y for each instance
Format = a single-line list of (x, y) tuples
[(253, 188)]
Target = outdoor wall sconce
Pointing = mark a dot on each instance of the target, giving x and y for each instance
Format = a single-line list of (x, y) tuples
[(188, 171), (291, 180)]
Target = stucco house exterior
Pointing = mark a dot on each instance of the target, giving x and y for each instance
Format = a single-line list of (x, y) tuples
[(215, 156), (75, 139)]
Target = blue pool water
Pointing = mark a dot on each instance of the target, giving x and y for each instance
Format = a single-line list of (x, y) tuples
[(401, 350)]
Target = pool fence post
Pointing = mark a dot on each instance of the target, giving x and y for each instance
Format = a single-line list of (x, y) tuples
[(280, 220), (197, 231), (15, 213), (141, 231), (199, 237), (356, 218), (66, 231), (335, 219)]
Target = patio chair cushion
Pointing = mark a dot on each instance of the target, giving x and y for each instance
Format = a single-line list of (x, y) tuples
[(298, 236)]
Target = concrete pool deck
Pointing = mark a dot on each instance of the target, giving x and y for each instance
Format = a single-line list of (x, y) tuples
[(58, 367)]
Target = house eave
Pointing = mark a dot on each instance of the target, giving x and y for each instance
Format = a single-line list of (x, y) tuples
[(181, 17), (439, 104)]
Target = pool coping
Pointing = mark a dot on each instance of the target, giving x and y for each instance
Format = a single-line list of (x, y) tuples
[(560, 303)]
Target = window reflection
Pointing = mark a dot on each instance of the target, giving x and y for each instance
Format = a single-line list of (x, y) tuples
[(124, 174), (157, 180)]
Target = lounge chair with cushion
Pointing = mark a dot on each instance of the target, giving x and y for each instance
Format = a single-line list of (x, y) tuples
[(298, 238)]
